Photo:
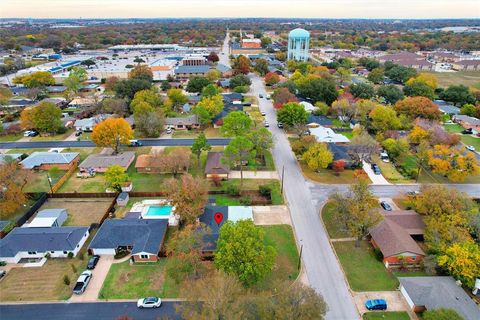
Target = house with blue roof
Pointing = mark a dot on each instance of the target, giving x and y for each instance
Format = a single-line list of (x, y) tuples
[(48, 160), (186, 72), (143, 238)]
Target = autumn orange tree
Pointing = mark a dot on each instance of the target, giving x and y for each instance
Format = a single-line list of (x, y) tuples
[(12, 182), (189, 196), (418, 107), (453, 162), (271, 78), (111, 133)]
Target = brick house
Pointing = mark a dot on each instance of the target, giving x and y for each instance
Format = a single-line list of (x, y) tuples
[(394, 237), (48, 160), (215, 167), (467, 122), (143, 239)]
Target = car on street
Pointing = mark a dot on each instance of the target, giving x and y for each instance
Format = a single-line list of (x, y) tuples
[(376, 304), (30, 133), (266, 124), (168, 131), (263, 113), (135, 143), (280, 125), (413, 193), (78, 133), (386, 206), (260, 95), (92, 262), (82, 282), (384, 157), (268, 97), (471, 148), (149, 302), (376, 169)]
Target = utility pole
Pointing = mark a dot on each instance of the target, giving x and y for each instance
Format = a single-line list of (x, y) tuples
[(50, 183), (283, 177)]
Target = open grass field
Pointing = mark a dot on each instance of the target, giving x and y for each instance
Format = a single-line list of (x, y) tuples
[(392, 315), (39, 180), (125, 281), (328, 176), (364, 271), (81, 212), (467, 78), (286, 263), (334, 229)]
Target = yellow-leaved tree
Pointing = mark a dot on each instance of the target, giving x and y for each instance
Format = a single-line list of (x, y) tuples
[(453, 162), (111, 133), (462, 260)]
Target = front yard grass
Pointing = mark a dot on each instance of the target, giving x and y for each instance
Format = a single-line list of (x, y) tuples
[(390, 172), (471, 140), (286, 263), (328, 176), (11, 137), (364, 271), (125, 281), (389, 315), (249, 184), (334, 229), (57, 137), (453, 128)]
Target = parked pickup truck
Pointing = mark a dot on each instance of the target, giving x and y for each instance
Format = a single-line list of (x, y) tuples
[(82, 282)]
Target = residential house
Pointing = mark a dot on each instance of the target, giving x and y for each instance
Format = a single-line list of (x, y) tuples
[(35, 243), (18, 103), (317, 121), (183, 123), (58, 102), (467, 122), (19, 91), (142, 238), (323, 134), (148, 163), (225, 70), (47, 160), (441, 56), (88, 124), (89, 88), (56, 89), (215, 167), (432, 293), (229, 213), (467, 65), (308, 106), (251, 43), (341, 152), (48, 218), (232, 97), (82, 103), (394, 237), (227, 108), (224, 83), (447, 108), (100, 162)]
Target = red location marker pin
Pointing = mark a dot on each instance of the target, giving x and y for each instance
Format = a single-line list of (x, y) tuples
[(218, 216)]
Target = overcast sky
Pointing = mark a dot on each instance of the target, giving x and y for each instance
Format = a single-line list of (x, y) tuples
[(240, 8)]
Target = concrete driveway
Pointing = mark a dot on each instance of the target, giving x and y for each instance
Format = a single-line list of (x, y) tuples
[(395, 301), (376, 178), (390, 202), (99, 274), (254, 175)]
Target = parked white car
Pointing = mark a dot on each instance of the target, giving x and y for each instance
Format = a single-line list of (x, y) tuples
[(149, 302), (82, 282), (471, 148)]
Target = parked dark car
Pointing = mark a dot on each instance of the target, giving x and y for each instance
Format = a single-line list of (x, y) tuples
[(135, 143), (386, 206), (93, 262), (468, 131), (280, 125), (376, 304), (78, 133), (376, 168)]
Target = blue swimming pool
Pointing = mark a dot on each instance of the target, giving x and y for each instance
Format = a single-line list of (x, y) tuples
[(159, 211)]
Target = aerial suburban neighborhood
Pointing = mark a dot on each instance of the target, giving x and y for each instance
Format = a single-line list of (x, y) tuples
[(239, 168)]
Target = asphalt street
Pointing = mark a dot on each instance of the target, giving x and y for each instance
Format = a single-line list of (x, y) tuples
[(89, 144), (323, 270), (82, 311)]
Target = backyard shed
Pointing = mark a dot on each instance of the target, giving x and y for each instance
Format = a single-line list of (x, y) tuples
[(49, 218), (122, 199)]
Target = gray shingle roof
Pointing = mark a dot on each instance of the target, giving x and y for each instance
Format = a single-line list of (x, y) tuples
[(214, 164), (41, 240), (123, 159), (39, 158), (440, 292), (187, 121), (51, 213), (10, 156), (192, 69), (144, 235)]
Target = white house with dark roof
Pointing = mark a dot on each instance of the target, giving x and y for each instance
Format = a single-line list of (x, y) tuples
[(28, 243)]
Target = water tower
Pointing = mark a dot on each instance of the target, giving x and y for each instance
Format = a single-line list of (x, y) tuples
[(298, 44)]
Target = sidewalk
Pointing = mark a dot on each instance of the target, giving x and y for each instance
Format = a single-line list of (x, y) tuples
[(254, 175), (376, 178)]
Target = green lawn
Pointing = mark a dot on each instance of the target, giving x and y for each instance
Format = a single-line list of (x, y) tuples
[(225, 200), (471, 140), (39, 181), (390, 172), (286, 263), (125, 281), (453, 128), (392, 315), (334, 229), (28, 151), (328, 176), (348, 134), (364, 271), (57, 137), (10, 137), (252, 184)]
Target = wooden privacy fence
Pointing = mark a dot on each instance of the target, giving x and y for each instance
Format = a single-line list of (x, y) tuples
[(64, 178)]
